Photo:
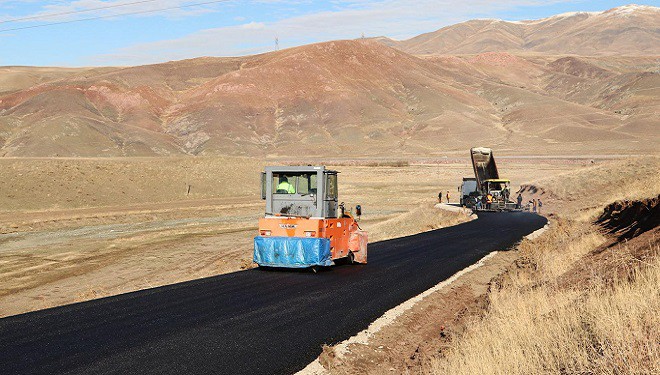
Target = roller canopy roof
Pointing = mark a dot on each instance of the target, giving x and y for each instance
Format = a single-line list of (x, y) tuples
[(299, 169)]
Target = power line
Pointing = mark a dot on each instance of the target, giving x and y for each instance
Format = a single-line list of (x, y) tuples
[(50, 15), (114, 15)]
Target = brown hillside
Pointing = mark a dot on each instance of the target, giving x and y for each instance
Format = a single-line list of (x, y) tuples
[(15, 78), (327, 97)]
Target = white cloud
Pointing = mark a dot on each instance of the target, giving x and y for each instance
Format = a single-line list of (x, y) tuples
[(398, 19), (55, 11), (254, 26)]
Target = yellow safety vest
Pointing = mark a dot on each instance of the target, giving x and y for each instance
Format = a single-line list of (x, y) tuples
[(285, 185)]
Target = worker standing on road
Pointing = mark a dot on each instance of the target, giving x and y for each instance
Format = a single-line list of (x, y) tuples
[(447, 196), (440, 197), (540, 205), (286, 186), (519, 199), (489, 200), (534, 205)]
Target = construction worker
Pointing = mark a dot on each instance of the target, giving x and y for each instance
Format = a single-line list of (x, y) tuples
[(447, 196), (520, 199), (358, 211), (285, 186), (489, 201), (440, 197), (534, 204), (540, 205)]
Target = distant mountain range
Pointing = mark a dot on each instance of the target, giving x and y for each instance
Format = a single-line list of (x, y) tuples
[(629, 30), (574, 83)]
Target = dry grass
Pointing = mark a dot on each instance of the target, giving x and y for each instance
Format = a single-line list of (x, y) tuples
[(28, 184), (533, 326), (558, 251)]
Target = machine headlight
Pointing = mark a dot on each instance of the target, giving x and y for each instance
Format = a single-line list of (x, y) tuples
[(310, 234), (265, 233)]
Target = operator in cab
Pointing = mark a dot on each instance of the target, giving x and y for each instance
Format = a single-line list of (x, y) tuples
[(285, 187)]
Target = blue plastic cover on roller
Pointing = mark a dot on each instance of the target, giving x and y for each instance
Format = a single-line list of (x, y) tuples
[(292, 252)]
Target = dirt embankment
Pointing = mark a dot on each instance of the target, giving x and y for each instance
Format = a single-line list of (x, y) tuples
[(576, 302), (632, 229), (628, 219), (583, 194)]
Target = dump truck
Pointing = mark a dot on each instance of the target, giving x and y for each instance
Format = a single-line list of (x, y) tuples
[(488, 179), (304, 225)]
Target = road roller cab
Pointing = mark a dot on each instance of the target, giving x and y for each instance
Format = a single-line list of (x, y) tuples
[(304, 225)]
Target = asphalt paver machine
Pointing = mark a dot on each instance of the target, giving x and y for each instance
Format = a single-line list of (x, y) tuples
[(304, 225), (488, 180)]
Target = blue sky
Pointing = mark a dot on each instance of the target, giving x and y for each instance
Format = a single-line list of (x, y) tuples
[(229, 28)]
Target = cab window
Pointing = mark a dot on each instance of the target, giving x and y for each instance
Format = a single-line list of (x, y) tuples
[(307, 183), (284, 183), (331, 186), (294, 183)]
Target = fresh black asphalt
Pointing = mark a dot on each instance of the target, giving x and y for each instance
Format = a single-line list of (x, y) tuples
[(250, 322)]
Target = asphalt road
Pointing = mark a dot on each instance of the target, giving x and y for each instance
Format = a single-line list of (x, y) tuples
[(250, 322)]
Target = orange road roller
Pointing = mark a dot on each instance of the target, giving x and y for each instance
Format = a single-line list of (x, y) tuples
[(304, 226)]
